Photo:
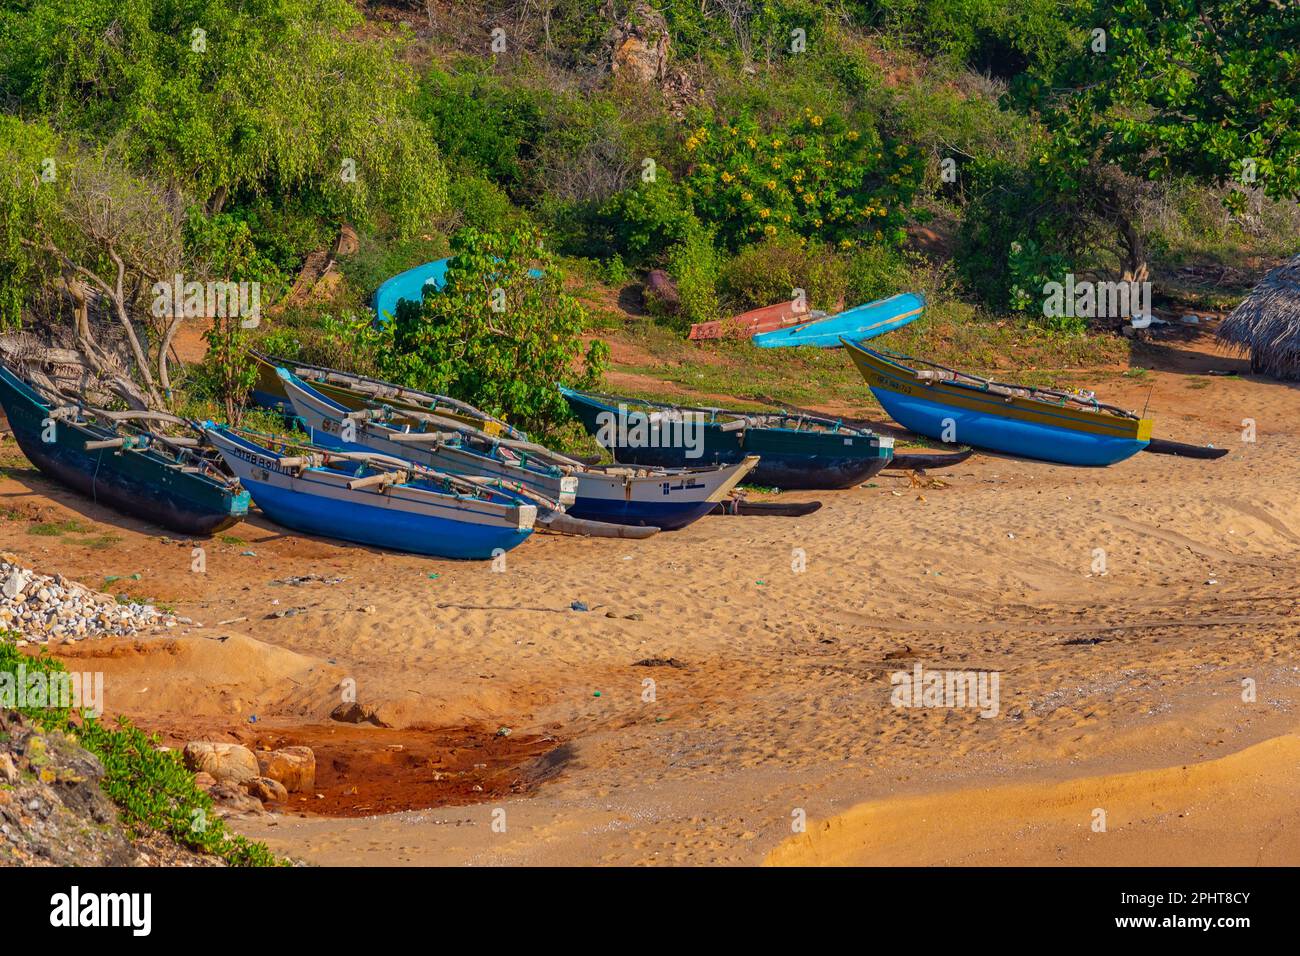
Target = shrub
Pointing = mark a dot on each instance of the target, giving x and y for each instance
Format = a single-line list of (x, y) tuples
[(478, 202), (351, 343), (650, 217), (814, 178), (693, 264), (771, 271), (500, 333), (875, 272)]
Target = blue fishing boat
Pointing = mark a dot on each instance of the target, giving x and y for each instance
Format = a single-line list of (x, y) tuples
[(444, 448), (376, 500), (794, 450), (857, 324), (409, 285), (637, 497), (953, 406), (132, 468)]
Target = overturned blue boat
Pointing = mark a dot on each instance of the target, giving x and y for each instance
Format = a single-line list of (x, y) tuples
[(858, 324)]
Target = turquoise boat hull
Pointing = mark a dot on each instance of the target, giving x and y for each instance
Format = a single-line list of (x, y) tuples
[(409, 286), (858, 324)]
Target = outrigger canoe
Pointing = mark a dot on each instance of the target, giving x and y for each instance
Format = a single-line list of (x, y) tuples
[(1030, 422), (794, 451), (858, 324), (376, 500), (358, 391), (663, 498), (123, 460)]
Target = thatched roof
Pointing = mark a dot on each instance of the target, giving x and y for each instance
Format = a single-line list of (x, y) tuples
[(1267, 323)]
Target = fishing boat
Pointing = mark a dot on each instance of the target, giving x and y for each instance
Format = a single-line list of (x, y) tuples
[(794, 451), (332, 425), (858, 324), (409, 286), (123, 459), (357, 392), (662, 498), (1019, 420), (747, 324), (374, 499)]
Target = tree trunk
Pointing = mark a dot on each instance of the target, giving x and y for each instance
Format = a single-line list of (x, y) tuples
[(1135, 267)]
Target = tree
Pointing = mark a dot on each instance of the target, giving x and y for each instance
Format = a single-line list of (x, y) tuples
[(229, 99), (501, 332), (79, 215), (1209, 90)]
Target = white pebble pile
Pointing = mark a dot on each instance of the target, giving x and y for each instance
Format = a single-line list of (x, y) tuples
[(42, 608)]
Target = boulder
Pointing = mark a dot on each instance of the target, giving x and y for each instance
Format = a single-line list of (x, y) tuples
[(640, 45), (294, 767), (267, 790), (15, 583), (232, 798), (226, 763), (661, 291)]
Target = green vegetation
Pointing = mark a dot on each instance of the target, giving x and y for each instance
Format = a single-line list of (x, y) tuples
[(974, 150), (500, 334), (151, 787)]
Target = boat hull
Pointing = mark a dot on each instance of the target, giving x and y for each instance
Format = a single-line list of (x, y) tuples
[(668, 501), (747, 324), (795, 460), (1021, 427), (316, 503), (136, 483), (858, 324)]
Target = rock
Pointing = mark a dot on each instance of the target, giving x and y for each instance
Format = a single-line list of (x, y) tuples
[(233, 799), (660, 291), (347, 243), (267, 790), (8, 772), (227, 763), (640, 45), (204, 780), (14, 584), (294, 767)]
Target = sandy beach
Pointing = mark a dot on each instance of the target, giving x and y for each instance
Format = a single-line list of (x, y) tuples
[(713, 696)]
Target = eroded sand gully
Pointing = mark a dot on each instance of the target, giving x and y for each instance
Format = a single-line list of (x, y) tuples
[(784, 703)]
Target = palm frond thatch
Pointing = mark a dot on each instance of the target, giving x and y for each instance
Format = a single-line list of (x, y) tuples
[(1267, 323)]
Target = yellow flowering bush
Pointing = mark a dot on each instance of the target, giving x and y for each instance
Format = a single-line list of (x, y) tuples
[(817, 178)]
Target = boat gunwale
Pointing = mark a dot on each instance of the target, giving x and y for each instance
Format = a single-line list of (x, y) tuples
[(1100, 420), (840, 429)]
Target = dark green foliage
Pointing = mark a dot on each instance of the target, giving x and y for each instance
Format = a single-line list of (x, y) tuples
[(1182, 88)]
